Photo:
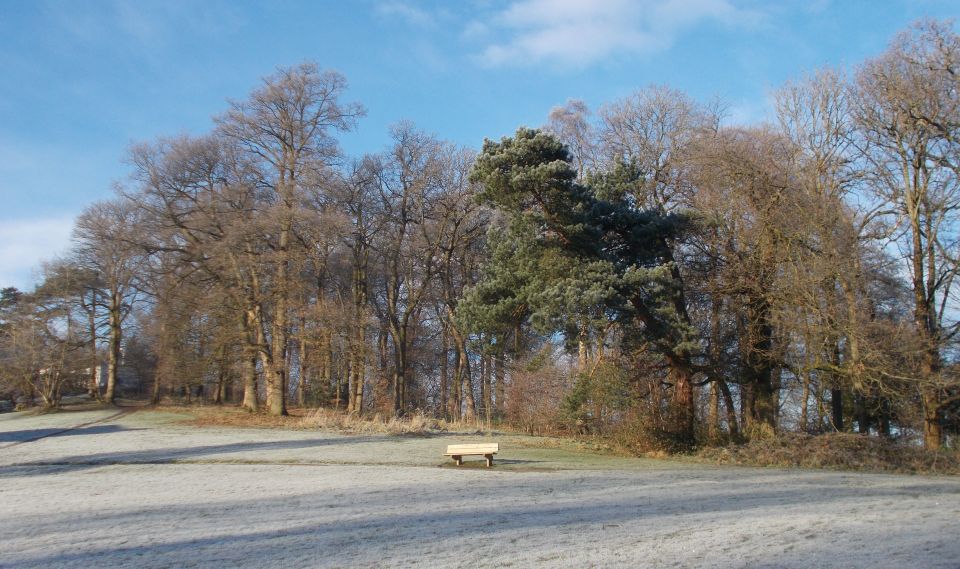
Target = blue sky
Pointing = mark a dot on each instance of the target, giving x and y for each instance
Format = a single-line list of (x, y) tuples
[(81, 80)]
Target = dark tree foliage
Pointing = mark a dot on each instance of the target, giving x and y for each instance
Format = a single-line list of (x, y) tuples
[(564, 253)]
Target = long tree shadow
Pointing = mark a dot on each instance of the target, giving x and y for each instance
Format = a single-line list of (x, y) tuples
[(179, 454), (29, 435)]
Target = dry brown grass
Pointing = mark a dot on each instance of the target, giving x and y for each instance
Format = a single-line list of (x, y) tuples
[(332, 420), (230, 416), (836, 451), (322, 419)]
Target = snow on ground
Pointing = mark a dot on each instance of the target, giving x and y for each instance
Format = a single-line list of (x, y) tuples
[(138, 490)]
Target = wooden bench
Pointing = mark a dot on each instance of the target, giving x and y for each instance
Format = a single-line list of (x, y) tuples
[(487, 450)]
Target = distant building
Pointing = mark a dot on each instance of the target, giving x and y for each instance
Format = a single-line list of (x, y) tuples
[(127, 378)]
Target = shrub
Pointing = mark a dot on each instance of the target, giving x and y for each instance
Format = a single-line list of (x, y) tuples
[(599, 397), (534, 398), (645, 431), (840, 451)]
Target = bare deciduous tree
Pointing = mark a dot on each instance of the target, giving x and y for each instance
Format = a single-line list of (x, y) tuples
[(906, 113), (104, 244)]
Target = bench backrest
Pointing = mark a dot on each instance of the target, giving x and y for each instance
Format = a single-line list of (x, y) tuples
[(484, 448)]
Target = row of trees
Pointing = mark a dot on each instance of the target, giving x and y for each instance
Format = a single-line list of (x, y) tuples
[(646, 266), (815, 258)]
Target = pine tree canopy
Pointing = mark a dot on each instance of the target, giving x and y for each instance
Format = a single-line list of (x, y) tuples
[(569, 255)]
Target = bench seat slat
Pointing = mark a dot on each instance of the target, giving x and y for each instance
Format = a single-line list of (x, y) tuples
[(462, 450), (472, 449)]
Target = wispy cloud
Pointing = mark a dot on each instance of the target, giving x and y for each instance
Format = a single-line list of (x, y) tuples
[(581, 32), (144, 25), (752, 111), (409, 13), (26, 243)]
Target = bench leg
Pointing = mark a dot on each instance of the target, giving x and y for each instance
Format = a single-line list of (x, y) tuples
[(489, 458), (458, 460)]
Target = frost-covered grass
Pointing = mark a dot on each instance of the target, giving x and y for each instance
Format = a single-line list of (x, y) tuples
[(146, 490)]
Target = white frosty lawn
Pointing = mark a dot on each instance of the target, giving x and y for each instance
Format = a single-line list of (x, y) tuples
[(138, 491)]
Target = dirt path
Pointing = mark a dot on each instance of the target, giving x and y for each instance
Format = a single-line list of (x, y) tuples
[(140, 490)]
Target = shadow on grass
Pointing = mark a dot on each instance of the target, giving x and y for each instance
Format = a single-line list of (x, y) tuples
[(175, 455), (29, 435), (507, 462)]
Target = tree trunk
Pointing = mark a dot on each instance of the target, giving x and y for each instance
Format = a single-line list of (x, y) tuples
[(218, 395), (223, 392), (399, 371), (805, 402), (358, 333), (836, 408), (682, 404), (456, 395), (680, 374), (444, 386), (924, 276), (713, 420), (113, 353), (277, 378), (883, 424), (250, 401), (932, 426), (465, 379), (732, 425), (485, 375), (862, 414), (358, 373), (715, 361), (762, 394), (583, 355), (155, 396), (302, 364), (249, 329), (330, 376), (94, 388), (277, 374), (500, 389)]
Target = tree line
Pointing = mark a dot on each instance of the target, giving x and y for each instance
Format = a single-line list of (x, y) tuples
[(644, 266)]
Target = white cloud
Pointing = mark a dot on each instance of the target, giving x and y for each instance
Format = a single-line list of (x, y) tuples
[(144, 26), (26, 243), (580, 32), (475, 30)]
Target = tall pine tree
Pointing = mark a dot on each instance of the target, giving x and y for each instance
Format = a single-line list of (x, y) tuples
[(567, 252)]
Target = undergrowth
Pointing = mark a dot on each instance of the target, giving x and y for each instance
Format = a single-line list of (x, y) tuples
[(326, 419), (834, 451), (414, 424)]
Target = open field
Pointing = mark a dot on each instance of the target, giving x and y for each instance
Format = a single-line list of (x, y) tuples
[(141, 489)]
